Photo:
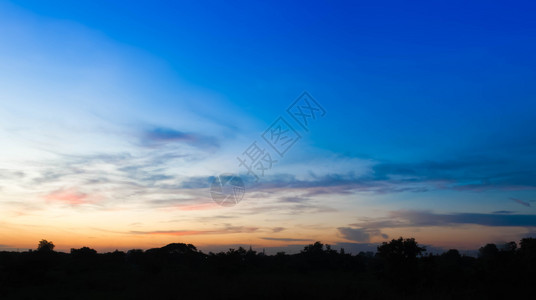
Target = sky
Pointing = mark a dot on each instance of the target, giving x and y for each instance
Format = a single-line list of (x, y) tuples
[(360, 122)]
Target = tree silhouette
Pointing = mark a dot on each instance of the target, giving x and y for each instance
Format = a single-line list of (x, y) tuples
[(313, 249), (452, 254), (527, 252), (490, 251), (400, 249), (317, 249), (527, 247), (400, 263), (509, 247), (45, 246)]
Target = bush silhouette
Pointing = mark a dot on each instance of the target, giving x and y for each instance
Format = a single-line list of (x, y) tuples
[(83, 252)]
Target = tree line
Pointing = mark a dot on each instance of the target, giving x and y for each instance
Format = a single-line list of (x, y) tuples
[(400, 268)]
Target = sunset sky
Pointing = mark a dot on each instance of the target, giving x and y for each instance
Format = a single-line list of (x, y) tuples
[(115, 118)]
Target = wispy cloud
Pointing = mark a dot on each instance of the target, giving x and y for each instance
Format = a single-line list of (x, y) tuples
[(69, 196), (285, 239), (478, 173), (157, 136), (462, 173), (413, 218), (226, 230), (370, 227), (520, 202), (360, 234), (202, 206), (10, 174), (278, 229)]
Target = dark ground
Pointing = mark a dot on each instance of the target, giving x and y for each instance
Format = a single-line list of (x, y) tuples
[(399, 270)]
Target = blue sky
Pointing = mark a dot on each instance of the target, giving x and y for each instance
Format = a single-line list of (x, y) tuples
[(117, 116)]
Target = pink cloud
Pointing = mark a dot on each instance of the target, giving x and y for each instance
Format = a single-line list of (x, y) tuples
[(68, 196)]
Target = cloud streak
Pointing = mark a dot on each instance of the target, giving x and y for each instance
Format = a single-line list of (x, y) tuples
[(158, 136), (285, 239), (360, 234), (227, 230), (520, 202), (413, 218)]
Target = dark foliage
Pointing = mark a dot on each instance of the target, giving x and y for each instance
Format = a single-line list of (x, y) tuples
[(399, 270), (45, 246)]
